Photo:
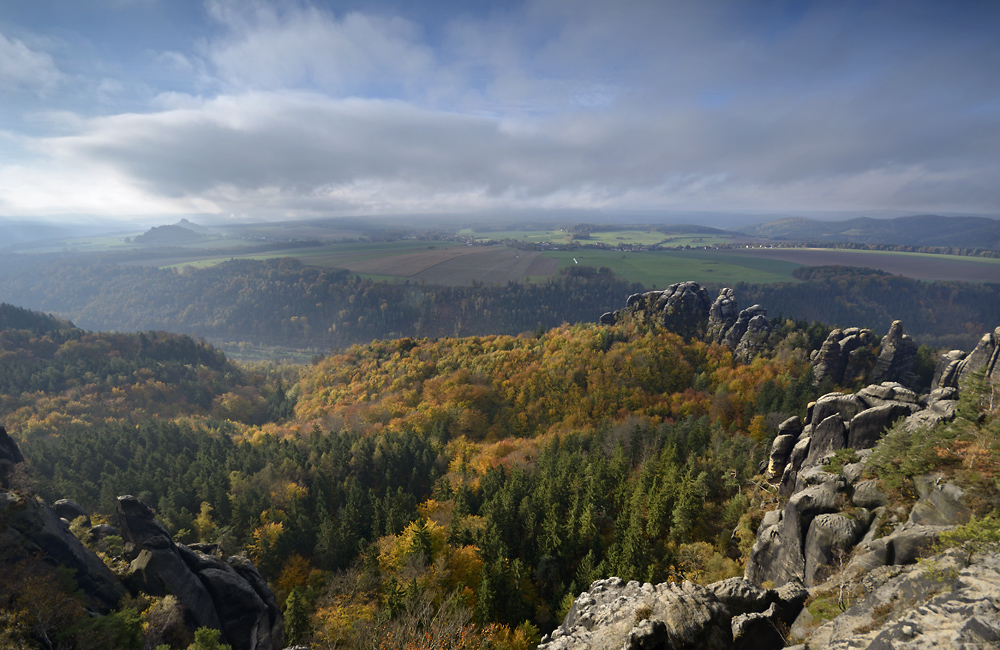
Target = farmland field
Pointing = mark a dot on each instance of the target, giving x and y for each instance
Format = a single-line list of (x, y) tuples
[(659, 269), (609, 237), (920, 266), (450, 263)]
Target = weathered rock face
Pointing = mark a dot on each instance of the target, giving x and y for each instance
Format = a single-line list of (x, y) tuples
[(813, 534), (727, 614), (958, 607), (226, 595), (845, 356), (31, 528), (955, 368), (838, 420), (897, 358), (722, 315)]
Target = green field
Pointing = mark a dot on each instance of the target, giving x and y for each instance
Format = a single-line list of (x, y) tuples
[(659, 269), (624, 237)]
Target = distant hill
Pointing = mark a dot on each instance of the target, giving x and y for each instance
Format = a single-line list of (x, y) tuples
[(922, 230), (194, 227), (16, 318), (169, 236)]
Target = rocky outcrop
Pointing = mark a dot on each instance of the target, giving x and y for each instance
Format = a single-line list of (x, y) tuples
[(10, 456), (856, 421), (744, 332), (832, 522), (728, 614), (29, 529), (949, 602), (781, 448), (226, 595), (955, 369), (845, 356), (722, 315), (897, 358), (829, 517), (684, 308)]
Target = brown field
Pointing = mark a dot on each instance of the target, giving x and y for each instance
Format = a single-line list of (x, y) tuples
[(494, 265), (543, 266), (920, 266)]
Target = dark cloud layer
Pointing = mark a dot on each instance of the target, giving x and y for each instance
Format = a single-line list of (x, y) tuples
[(295, 109)]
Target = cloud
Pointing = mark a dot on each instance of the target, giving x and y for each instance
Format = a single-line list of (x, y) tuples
[(303, 153), (23, 69), (270, 46), (558, 104)]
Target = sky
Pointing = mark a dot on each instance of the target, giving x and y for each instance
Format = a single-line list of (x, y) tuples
[(290, 109)]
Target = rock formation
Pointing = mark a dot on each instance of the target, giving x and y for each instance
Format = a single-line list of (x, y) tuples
[(844, 357), (226, 595), (955, 369), (722, 315), (856, 421), (951, 602), (31, 529), (681, 308), (897, 358), (732, 613), (828, 515), (684, 308), (10, 456)]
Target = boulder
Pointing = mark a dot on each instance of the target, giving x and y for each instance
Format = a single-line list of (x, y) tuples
[(888, 392), (777, 554), (867, 495), (161, 571), (248, 572), (868, 426), (984, 358), (70, 510), (828, 544), (847, 406), (781, 449), (947, 368), (138, 524)]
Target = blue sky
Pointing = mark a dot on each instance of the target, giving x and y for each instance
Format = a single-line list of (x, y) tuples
[(293, 109)]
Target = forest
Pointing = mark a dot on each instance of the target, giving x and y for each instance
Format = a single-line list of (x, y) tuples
[(485, 480), (285, 303)]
